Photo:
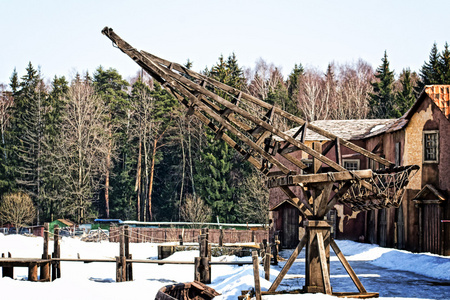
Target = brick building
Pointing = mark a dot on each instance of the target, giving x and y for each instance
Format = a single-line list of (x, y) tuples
[(420, 137)]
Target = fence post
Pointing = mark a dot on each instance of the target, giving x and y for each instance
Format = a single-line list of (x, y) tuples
[(45, 268), (128, 265), (181, 239), (256, 275), (201, 264), (7, 271), (121, 261), (267, 263), (56, 266), (275, 249), (221, 238)]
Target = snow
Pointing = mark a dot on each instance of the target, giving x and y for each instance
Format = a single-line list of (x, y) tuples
[(97, 280)]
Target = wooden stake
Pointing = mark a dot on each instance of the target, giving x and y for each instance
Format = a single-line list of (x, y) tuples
[(32, 272), (56, 267), (256, 275), (45, 269)]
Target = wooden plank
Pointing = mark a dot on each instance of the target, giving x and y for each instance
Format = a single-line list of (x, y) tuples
[(317, 146), (293, 160), (256, 275), (347, 267), (303, 207), (323, 264), (288, 264)]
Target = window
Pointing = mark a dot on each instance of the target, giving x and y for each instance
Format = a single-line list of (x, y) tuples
[(351, 164), (430, 146)]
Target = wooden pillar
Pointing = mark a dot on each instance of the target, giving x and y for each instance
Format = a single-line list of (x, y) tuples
[(256, 275), (202, 265), (32, 272), (267, 259), (128, 265), (221, 238), (45, 268), (276, 242), (7, 271), (56, 265), (314, 281)]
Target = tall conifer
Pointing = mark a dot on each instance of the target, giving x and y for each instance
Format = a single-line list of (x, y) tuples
[(382, 99)]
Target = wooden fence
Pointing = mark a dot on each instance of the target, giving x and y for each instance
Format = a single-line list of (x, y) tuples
[(162, 235)]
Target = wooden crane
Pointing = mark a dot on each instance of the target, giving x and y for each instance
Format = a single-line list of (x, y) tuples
[(246, 124)]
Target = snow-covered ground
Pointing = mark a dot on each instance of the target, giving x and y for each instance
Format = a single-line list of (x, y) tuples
[(390, 272)]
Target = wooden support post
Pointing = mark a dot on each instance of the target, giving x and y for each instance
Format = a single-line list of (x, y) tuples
[(276, 243), (180, 237), (256, 275), (32, 272), (314, 282), (121, 269), (56, 266), (7, 271), (127, 255), (45, 268), (323, 264), (202, 265), (129, 268), (347, 267), (221, 238), (288, 264), (267, 259)]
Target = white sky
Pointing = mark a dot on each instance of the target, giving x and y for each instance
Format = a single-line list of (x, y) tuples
[(63, 37)]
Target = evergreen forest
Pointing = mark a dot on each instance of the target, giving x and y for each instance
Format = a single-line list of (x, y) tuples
[(100, 146)]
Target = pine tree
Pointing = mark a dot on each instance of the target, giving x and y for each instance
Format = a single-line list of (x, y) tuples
[(52, 184), (111, 88), (382, 99), (405, 98), (27, 133), (444, 65), (219, 170), (429, 73)]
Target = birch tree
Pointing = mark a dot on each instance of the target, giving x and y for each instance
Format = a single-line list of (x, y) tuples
[(82, 152)]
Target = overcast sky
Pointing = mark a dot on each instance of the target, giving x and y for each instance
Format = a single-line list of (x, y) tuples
[(64, 37)]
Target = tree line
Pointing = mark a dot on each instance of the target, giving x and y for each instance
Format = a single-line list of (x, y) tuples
[(102, 146)]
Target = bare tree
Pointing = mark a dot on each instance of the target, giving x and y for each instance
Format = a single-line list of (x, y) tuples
[(82, 151), (195, 210), (254, 201), (18, 209), (263, 79), (310, 99), (6, 101), (353, 91)]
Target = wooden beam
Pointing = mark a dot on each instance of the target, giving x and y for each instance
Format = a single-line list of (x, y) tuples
[(303, 207), (288, 264), (347, 267), (323, 264)]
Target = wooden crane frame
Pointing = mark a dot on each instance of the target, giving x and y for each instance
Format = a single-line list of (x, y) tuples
[(245, 123)]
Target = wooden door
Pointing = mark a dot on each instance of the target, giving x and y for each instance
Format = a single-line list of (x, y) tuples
[(431, 228), (290, 227)]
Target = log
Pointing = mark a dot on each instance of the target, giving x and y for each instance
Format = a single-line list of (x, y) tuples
[(32, 272), (256, 275)]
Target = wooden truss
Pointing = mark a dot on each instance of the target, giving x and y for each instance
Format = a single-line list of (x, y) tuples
[(246, 124)]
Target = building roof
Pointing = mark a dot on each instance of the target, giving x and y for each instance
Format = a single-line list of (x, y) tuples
[(439, 94), (345, 129), (66, 222)]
